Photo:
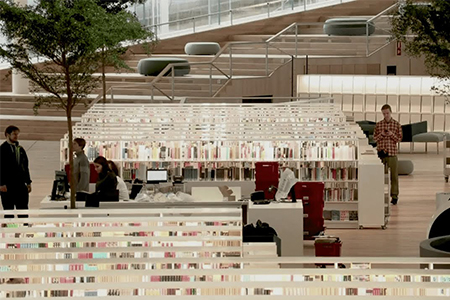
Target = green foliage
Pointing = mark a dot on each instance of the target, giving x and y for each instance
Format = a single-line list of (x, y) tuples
[(61, 36), (124, 30), (115, 6), (423, 27), (59, 44)]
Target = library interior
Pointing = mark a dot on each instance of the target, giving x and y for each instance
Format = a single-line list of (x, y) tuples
[(258, 149)]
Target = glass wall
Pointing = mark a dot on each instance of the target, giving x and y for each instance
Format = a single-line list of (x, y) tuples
[(170, 16)]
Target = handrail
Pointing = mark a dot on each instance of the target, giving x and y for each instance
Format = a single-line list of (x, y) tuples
[(370, 21), (383, 12), (281, 32)]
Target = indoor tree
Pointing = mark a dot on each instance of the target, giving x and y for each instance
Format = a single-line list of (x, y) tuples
[(423, 27), (112, 51), (55, 44), (115, 6), (113, 46)]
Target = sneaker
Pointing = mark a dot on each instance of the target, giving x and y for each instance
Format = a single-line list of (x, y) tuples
[(394, 200)]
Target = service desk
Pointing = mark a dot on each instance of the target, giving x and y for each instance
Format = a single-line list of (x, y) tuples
[(286, 219)]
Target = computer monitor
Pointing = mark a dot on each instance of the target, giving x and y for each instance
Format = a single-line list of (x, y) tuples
[(156, 176), (60, 185)]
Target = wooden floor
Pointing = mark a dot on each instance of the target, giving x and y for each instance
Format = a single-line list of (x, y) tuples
[(407, 225)]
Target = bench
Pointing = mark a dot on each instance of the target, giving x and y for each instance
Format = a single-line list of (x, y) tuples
[(152, 66), (348, 26), (418, 133), (201, 48)]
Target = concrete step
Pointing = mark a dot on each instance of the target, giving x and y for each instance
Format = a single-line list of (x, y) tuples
[(120, 86), (306, 51), (309, 37), (4, 104), (41, 112)]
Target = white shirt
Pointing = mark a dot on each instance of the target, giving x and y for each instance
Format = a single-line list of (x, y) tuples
[(123, 190)]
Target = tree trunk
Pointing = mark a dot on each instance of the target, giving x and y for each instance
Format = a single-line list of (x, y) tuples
[(103, 75), (73, 187)]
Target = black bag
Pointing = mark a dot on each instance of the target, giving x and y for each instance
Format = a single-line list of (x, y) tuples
[(261, 229), (382, 154)]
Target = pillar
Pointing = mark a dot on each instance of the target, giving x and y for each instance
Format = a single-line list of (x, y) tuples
[(20, 84)]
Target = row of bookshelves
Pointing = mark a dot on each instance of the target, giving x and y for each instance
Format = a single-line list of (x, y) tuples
[(340, 215), (204, 241), (313, 139), (154, 253), (124, 232), (399, 103), (140, 276), (110, 290), (166, 112), (186, 152)]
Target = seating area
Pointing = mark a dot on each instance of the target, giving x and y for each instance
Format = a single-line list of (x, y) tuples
[(412, 133), (348, 26), (152, 66), (202, 48), (418, 133)]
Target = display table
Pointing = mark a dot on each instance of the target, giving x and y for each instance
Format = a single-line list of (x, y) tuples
[(286, 219)]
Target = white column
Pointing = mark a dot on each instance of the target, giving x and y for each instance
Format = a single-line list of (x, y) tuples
[(20, 84), (164, 14)]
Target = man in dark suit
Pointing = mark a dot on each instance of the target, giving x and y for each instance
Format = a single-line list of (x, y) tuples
[(15, 181)]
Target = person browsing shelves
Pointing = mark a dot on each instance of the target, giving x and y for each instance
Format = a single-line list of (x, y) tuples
[(106, 186), (387, 134), (121, 186)]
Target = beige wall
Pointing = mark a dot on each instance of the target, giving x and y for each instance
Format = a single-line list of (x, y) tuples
[(278, 85), (373, 65)]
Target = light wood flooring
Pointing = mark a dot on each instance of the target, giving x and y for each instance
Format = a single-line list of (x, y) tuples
[(407, 225)]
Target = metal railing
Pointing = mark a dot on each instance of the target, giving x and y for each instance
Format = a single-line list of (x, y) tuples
[(284, 45)]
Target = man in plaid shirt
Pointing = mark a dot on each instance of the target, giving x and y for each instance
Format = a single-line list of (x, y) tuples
[(388, 133)]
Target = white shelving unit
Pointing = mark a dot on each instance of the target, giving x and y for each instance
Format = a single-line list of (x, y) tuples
[(103, 253), (446, 159), (52, 235), (222, 142), (361, 96)]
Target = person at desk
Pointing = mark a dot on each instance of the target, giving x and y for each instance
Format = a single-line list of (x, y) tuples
[(121, 186), (106, 186)]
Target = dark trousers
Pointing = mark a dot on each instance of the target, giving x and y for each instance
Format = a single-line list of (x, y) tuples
[(16, 197), (391, 163)]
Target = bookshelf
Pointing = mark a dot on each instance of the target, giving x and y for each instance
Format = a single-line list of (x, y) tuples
[(89, 235), (360, 96), (222, 142), (50, 272), (202, 146)]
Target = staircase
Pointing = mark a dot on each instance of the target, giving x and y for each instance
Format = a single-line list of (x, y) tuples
[(246, 55)]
